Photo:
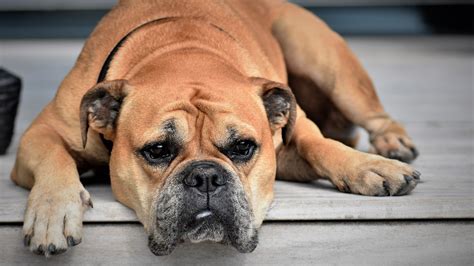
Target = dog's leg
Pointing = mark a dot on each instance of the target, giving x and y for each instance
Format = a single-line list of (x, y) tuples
[(314, 51), (57, 201), (309, 156), (322, 111)]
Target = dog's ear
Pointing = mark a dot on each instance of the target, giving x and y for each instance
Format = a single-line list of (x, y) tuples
[(280, 105), (100, 107)]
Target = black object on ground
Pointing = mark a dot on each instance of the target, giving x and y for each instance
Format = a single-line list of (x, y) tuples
[(10, 87)]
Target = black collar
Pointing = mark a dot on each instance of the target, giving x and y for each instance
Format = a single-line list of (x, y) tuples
[(110, 57)]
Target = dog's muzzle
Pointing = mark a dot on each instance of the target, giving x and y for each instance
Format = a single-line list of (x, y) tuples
[(202, 202)]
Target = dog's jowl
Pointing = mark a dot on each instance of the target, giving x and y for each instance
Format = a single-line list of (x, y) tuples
[(196, 107)]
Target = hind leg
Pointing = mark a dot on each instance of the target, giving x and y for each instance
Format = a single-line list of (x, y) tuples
[(322, 111), (315, 52)]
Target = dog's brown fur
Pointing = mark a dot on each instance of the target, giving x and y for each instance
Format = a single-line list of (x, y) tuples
[(235, 51)]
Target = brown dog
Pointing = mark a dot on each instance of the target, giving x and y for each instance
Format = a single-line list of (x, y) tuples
[(193, 97)]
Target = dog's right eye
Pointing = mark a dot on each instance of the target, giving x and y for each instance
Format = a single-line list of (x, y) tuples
[(241, 151), (158, 153)]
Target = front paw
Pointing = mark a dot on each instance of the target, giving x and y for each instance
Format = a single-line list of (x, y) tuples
[(53, 217), (376, 176), (394, 143)]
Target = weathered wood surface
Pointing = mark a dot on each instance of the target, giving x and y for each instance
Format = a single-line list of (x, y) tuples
[(425, 82), (374, 243)]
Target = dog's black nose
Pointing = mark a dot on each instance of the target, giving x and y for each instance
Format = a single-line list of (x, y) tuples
[(206, 177)]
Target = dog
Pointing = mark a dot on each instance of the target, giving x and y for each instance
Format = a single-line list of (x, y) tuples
[(189, 104)]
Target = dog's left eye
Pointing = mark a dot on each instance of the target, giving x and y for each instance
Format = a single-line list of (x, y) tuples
[(242, 150), (158, 153)]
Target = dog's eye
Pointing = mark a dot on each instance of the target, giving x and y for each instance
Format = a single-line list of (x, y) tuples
[(242, 150), (158, 153)]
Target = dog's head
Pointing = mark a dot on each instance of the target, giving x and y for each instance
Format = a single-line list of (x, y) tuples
[(193, 154)]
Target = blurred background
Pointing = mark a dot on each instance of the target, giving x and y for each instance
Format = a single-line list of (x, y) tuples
[(76, 19)]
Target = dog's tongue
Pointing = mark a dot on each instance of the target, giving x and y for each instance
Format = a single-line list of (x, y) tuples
[(203, 215)]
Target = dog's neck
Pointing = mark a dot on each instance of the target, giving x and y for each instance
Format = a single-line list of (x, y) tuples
[(176, 35)]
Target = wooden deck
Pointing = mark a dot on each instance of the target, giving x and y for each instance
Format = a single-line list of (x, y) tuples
[(425, 82)]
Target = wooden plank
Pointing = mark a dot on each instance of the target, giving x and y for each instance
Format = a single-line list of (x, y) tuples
[(376, 243), (421, 79)]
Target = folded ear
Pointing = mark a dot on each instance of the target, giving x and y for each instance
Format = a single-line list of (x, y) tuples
[(280, 105), (100, 107)]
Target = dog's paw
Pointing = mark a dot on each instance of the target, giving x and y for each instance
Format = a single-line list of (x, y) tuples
[(53, 218), (393, 143), (377, 176)]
